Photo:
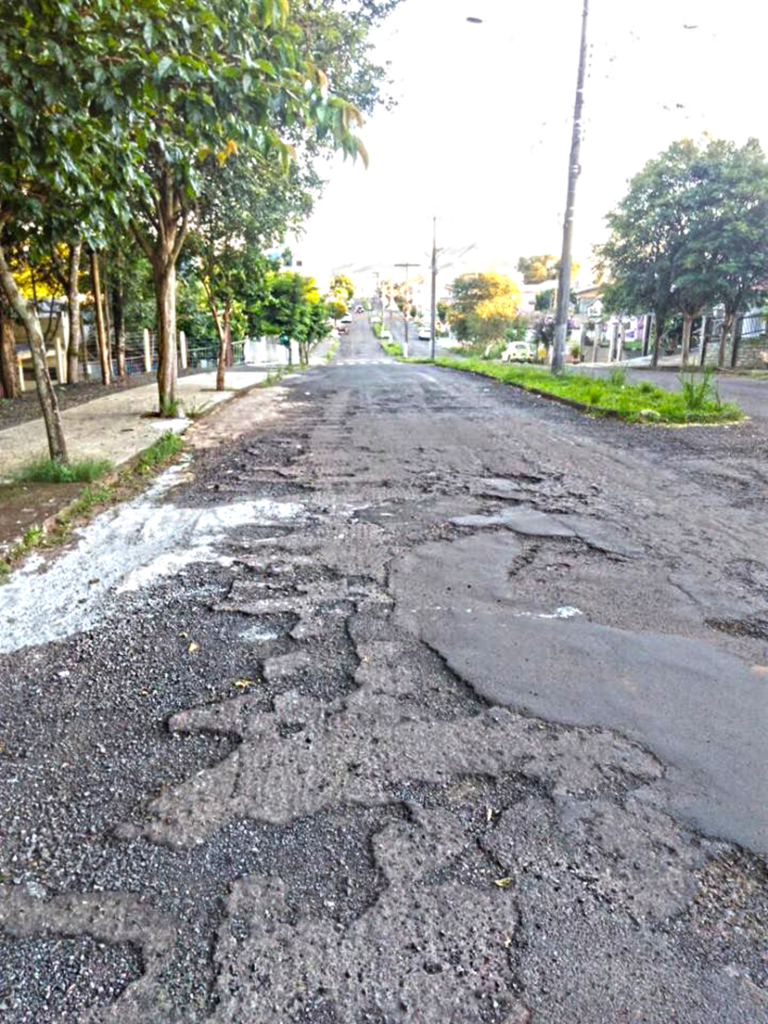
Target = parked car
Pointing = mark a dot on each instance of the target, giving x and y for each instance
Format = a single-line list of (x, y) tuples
[(517, 352), (425, 334), (359, 309), (344, 329), (386, 336), (346, 319)]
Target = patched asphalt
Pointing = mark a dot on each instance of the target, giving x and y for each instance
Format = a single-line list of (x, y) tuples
[(410, 698)]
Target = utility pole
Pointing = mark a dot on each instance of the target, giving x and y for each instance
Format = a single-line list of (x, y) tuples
[(433, 303), (564, 279), (407, 301)]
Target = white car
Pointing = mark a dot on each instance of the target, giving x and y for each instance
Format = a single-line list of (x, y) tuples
[(517, 352), (386, 336), (346, 319), (425, 334)]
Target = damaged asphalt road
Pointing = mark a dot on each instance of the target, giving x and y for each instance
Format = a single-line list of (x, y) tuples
[(408, 698)]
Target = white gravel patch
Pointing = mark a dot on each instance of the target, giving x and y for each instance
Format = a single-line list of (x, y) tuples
[(124, 549)]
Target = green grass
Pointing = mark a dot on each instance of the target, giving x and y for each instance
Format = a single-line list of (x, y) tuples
[(332, 350), (392, 348), (636, 403), (164, 448), (44, 471)]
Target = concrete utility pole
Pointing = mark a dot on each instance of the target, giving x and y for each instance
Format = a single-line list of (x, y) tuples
[(564, 279), (433, 300), (407, 301)]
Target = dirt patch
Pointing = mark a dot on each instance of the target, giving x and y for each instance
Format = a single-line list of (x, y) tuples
[(24, 506)]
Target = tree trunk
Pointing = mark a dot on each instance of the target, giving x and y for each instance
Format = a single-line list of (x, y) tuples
[(107, 319), (735, 339), (48, 402), (622, 339), (705, 322), (9, 373), (687, 328), (223, 332), (657, 341), (73, 313), (118, 322), (101, 336), (167, 360), (725, 330)]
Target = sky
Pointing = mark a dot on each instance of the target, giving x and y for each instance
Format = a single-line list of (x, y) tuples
[(481, 132)]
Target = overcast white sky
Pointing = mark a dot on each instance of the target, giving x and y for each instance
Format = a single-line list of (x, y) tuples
[(481, 132)]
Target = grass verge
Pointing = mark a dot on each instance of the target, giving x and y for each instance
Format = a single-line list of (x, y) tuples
[(697, 402), (332, 350), (44, 471)]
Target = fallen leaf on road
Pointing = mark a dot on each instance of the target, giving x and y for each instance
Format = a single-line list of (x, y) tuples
[(193, 647), (503, 883), (243, 683)]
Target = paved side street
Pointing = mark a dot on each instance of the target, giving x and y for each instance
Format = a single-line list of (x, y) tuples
[(406, 697)]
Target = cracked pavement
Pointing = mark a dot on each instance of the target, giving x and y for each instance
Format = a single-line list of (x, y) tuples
[(408, 698)]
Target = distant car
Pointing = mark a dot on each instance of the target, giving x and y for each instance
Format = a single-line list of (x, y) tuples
[(359, 309), (386, 336), (344, 329), (346, 319), (517, 352), (425, 334)]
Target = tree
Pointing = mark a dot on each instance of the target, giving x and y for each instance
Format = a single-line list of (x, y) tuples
[(483, 306), (64, 157), (245, 207), (342, 288), (537, 269), (733, 245), (336, 309), (691, 232), (294, 310)]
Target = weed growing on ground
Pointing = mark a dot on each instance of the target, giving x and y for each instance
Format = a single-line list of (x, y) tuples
[(45, 471), (196, 412), (617, 378), (164, 448), (697, 395), (170, 408)]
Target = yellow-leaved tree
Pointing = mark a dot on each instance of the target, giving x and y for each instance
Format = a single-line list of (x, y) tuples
[(484, 306)]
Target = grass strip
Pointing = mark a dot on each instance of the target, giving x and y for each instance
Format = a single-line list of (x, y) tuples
[(44, 471), (696, 402)]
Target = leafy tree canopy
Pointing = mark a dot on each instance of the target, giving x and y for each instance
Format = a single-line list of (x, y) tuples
[(484, 306)]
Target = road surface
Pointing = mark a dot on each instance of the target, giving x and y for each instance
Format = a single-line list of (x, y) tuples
[(409, 697)]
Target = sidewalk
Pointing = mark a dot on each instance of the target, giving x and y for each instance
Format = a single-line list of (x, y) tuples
[(112, 427)]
